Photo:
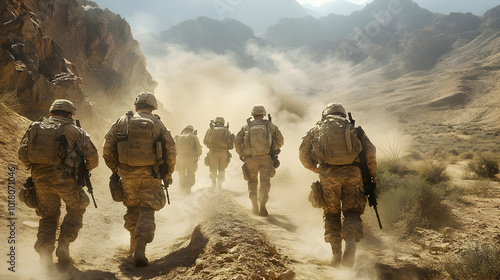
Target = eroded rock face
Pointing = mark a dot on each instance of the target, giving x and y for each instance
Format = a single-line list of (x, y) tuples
[(32, 64), (68, 49)]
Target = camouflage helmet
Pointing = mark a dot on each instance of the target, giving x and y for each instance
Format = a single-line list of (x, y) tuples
[(63, 105), (188, 128), (258, 109), (146, 98), (334, 108), (220, 120)]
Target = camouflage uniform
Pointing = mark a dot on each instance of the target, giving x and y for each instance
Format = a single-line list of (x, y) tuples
[(56, 182), (188, 153), (260, 164), (218, 155), (342, 189), (142, 188)]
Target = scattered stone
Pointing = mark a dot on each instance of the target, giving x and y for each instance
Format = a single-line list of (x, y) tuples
[(238, 278), (272, 250), (287, 275), (219, 248), (198, 268), (272, 274)]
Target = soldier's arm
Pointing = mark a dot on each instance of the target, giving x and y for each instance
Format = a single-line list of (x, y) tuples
[(238, 142), (170, 151), (305, 153), (109, 151), (89, 153), (371, 157), (278, 138), (206, 138), (22, 153)]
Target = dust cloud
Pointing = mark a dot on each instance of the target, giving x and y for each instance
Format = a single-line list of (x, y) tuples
[(194, 88)]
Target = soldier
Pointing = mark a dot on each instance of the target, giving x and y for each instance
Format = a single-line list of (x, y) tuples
[(256, 143), (188, 153), (219, 140), (140, 149), (331, 149), (48, 148)]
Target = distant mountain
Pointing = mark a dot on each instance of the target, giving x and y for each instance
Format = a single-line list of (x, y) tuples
[(204, 34), (156, 16), (477, 7), (377, 17), (339, 7)]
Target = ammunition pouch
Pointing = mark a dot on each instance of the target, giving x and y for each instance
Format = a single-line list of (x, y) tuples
[(115, 187), (28, 194), (316, 195)]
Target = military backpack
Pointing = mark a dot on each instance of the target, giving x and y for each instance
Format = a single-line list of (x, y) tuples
[(257, 140), (136, 143), (218, 138), (43, 144), (336, 142)]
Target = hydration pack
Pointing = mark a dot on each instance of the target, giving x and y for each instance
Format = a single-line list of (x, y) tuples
[(336, 142), (136, 145), (43, 144), (257, 139)]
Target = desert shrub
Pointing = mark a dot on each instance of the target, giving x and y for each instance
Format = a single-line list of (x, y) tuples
[(433, 172), (479, 261), (484, 166), (411, 202), (481, 188)]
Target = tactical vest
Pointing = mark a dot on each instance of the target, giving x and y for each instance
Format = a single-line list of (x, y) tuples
[(136, 143), (257, 139), (186, 144), (336, 142), (43, 144), (218, 138)]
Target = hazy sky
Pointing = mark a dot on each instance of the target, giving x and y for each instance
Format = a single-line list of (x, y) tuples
[(319, 2)]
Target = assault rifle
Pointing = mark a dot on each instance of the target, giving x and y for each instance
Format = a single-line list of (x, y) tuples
[(274, 153), (83, 172), (164, 168), (368, 181)]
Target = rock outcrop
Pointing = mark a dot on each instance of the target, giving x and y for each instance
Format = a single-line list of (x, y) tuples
[(67, 49)]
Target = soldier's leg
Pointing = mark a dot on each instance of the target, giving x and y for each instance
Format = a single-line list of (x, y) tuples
[(253, 171), (76, 202), (222, 163), (265, 184), (331, 213), (212, 168), (191, 175), (353, 205), (131, 199), (49, 205)]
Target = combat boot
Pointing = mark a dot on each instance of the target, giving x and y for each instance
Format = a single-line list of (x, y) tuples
[(140, 252), (349, 252), (255, 207), (46, 258), (62, 251), (263, 210), (337, 253)]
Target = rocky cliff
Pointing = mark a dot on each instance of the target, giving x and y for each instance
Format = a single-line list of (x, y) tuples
[(67, 49)]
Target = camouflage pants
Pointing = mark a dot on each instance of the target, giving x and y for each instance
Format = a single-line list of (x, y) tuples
[(259, 165), (187, 169), (343, 193), (142, 196), (219, 160), (50, 190)]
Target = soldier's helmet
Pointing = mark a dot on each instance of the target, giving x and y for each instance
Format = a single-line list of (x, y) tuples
[(146, 98), (220, 120), (63, 105), (334, 109), (258, 109), (188, 128)]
